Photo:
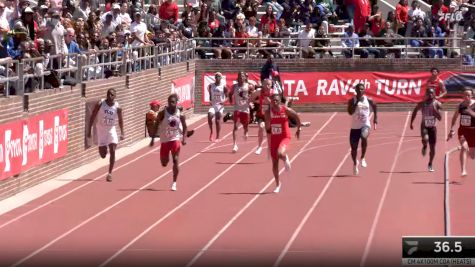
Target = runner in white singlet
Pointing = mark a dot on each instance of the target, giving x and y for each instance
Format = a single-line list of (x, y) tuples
[(360, 107), (240, 97), (172, 125), (217, 94), (107, 112)]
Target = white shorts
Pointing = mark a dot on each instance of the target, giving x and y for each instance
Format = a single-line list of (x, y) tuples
[(216, 109), (105, 138)]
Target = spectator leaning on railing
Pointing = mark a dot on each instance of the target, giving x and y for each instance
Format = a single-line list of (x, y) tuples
[(351, 40)]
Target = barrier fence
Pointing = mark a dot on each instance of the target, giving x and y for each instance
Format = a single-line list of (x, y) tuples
[(30, 74), (19, 77)]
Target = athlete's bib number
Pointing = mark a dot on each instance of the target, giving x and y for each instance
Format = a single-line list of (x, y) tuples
[(243, 102), (362, 117), (276, 128), (108, 122), (429, 121), (170, 133), (466, 120), (217, 98)]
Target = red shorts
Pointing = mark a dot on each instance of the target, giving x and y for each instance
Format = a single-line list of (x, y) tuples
[(276, 144), (242, 117), (167, 147), (469, 134)]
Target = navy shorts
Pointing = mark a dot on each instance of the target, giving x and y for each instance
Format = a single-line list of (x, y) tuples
[(355, 134), (431, 132)]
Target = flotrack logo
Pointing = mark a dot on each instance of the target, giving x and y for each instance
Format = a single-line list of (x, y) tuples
[(454, 16)]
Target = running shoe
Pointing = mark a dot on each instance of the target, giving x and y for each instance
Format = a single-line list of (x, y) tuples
[(430, 168), (235, 148), (109, 177), (363, 163), (464, 173), (227, 117), (174, 186), (277, 189), (258, 150), (355, 168), (424, 151), (288, 167), (190, 133)]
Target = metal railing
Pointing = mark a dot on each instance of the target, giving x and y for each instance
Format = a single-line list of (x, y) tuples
[(32, 74), (289, 46)]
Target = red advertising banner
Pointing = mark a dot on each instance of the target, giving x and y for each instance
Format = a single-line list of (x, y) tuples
[(184, 88), (338, 87), (33, 141)]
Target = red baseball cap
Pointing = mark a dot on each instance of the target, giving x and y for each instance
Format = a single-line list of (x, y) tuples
[(155, 103)]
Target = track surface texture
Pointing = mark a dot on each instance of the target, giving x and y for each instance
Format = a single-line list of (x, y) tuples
[(225, 214)]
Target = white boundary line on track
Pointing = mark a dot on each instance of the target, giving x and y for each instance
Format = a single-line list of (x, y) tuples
[(5, 207), (225, 227), (383, 196), (108, 208), (170, 213)]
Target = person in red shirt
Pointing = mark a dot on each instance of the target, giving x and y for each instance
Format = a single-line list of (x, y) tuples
[(270, 20), (277, 126), (436, 83), (402, 11), (362, 12), (168, 11)]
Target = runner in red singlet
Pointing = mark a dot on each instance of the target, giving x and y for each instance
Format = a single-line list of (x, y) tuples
[(430, 109), (466, 131), (436, 83), (277, 126)]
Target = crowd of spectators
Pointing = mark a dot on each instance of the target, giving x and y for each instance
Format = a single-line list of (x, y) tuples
[(30, 29)]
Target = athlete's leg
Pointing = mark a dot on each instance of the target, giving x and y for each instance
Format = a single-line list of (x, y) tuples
[(103, 151), (210, 122), (425, 139), (112, 148), (165, 153), (364, 141), (176, 169), (355, 135), (463, 155), (245, 124), (282, 153), (432, 139), (235, 119), (275, 171), (218, 123), (260, 136)]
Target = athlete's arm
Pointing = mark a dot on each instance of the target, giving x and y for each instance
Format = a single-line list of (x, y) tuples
[(93, 117), (209, 92), (121, 123), (443, 90), (454, 120), (159, 119), (294, 115), (267, 121), (352, 104), (185, 128), (438, 108), (225, 89), (414, 113), (375, 111), (230, 94)]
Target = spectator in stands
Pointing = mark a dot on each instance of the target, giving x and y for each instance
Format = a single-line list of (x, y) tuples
[(55, 32), (401, 17), (169, 11), (416, 12), (229, 9), (83, 42), (433, 49), (4, 22), (322, 41), (376, 21), (82, 11), (367, 41), (27, 21), (73, 47), (351, 40), (13, 42), (251, 29), (151, 18), (250, 9), (306, 39), (269, 20), (115, 13), (138, 30), (389, 33), (362, 13), (108, 27), (124, 15), (318, 17), (276, 8), (418, 31)]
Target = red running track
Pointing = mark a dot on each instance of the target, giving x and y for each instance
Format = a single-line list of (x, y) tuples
[(225, 214)]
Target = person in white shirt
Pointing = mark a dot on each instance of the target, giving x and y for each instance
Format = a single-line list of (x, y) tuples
[(360, 107), (115, 12), (415, 11), (139, 30), (251, 29), (306, 39), (107, 112), (124, 16), (351, 40)]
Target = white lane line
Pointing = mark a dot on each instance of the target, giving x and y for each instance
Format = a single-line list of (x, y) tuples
[(237, 215)]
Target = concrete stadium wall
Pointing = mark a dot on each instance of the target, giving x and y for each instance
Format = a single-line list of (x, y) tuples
[(325, 65), (134, 92)]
